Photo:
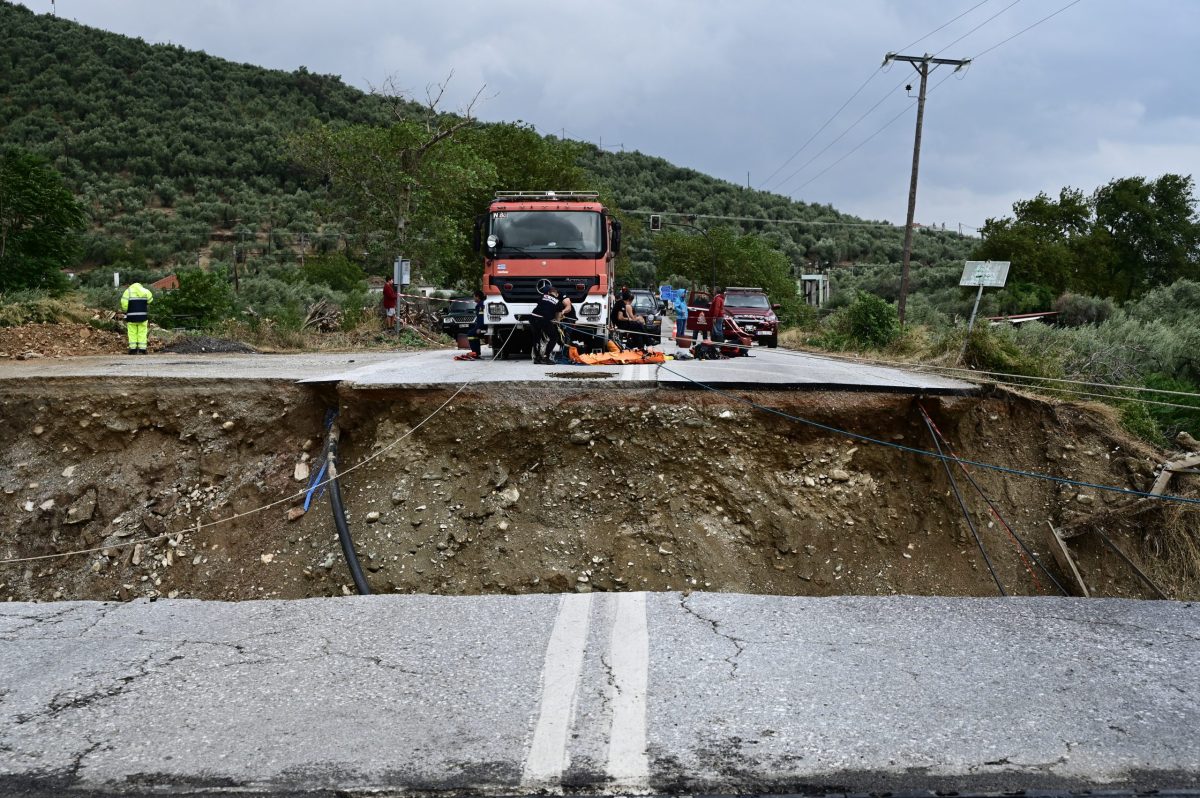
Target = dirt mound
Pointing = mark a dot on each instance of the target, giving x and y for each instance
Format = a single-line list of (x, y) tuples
[(548, 491), (60, 340), (199, 344)]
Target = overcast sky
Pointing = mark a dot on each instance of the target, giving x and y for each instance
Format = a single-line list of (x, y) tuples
[(1107, 88)]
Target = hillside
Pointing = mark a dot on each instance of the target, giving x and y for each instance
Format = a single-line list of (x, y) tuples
[(178, 153)]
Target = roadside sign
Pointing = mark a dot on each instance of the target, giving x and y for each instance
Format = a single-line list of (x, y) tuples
[(402, 271), (985, 273)]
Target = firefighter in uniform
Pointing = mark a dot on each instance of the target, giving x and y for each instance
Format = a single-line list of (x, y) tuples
[(135, 304), (546, 313)]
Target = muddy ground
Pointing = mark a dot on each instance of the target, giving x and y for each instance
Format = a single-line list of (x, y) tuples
[(557, 489)]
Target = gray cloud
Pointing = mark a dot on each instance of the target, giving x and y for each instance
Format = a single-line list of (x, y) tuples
[(1105, 89)]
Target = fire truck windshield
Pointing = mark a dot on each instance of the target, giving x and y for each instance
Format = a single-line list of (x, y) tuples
[(541, 233)]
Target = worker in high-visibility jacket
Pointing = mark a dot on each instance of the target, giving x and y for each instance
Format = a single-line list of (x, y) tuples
[(135, 304)]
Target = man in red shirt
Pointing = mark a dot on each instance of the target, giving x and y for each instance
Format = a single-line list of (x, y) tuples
[(716, 312), (389, 303)]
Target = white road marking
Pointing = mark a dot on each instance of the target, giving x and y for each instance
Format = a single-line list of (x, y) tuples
[(629, 659), (547, 758)]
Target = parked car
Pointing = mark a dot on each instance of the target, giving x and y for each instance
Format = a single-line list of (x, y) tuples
[(754, 313), (647, 305), (458, 315)]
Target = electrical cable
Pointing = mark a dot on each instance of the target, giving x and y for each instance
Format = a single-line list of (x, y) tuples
[(765, 183), (940, 27), (284, 500), (961, 370), (1026, 386), (966, 513), (980, 25), (639, 212), (926, 453), (763, 186), (859, 146), (1137, 399), (891, 93), (1028, 553), (1024, 30)]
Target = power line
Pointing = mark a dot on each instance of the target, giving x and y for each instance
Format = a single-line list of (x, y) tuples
[(888, 95), (763, 186), (919, 102), (940, 27), (859, 146), (868, 138), (977, 27), (888, 225), (1024, 30)]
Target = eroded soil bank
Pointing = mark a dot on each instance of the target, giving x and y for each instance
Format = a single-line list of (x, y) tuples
[(560, 489)]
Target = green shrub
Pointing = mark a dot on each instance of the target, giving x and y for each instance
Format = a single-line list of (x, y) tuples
[(1002, 349), (202, 299), (335, 271), (1137, 420), (1075, 310), (1173, 420), (870, 322)]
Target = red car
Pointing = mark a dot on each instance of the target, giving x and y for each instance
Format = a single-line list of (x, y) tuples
[(749, 308), (754, 313)]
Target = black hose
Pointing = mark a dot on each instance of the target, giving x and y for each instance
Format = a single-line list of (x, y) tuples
[(339, 518)]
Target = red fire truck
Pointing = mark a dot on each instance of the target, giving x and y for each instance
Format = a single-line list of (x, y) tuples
[(534, 239)]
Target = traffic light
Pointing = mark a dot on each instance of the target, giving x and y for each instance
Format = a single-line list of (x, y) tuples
[(655, 221)]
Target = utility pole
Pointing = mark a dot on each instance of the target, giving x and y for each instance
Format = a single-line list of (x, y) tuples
[(921, 64)]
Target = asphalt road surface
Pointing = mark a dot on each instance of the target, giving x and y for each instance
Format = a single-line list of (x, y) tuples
[(767, 369), (590, 693)]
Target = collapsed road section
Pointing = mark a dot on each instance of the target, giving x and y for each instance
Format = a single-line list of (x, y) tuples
[(197, 488)]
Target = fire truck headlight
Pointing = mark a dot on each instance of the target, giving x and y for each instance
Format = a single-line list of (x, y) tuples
[(591, 309), (497, 309)]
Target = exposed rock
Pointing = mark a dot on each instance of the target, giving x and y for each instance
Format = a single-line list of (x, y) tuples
[(508, 497), (838, 475), (295, 513), (83, 508), (301, 472)]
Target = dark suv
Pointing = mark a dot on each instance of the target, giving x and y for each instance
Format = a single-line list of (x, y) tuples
[(648, 306), (458, 316), (754, 313)]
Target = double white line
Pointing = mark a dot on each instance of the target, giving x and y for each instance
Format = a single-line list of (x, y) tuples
[(629, 659)]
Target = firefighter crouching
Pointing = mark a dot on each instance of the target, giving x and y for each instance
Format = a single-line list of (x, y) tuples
[(135, 304)]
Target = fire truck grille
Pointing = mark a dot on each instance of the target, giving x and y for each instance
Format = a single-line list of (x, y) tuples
[(525, 289)]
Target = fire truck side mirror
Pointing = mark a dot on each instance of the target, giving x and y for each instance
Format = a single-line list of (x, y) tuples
[(492, 242), (475, 237), (616, 237), (655, 221)]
